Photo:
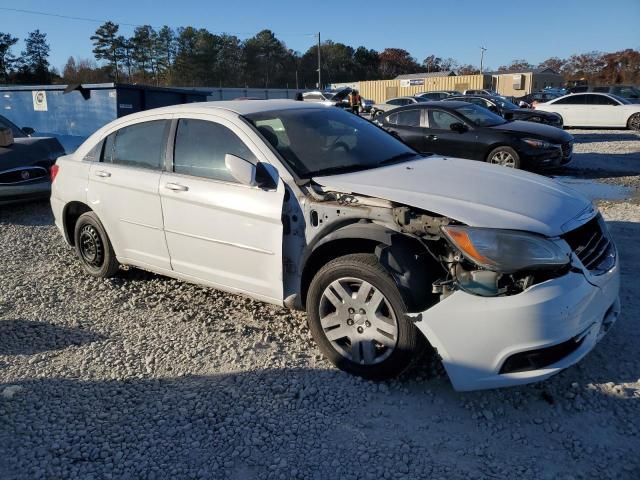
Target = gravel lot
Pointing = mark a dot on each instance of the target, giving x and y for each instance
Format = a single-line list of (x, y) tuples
[(142, 376)]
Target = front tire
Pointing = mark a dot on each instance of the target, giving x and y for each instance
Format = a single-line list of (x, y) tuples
[(357, 316), (634, 122), (94, 248), (505, 157)]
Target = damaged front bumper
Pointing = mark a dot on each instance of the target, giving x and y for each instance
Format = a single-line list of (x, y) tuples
[(489, 342)]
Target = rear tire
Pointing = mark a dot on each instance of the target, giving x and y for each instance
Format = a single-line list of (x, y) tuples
[(357, 316), (634, 122), (505, 157), (94, 248)]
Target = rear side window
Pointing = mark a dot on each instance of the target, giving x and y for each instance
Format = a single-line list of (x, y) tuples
[(141, 145), (201, 147)]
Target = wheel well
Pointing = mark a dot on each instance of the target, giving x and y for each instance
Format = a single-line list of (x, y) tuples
[(72, 212), (327, 252), (407, 261)]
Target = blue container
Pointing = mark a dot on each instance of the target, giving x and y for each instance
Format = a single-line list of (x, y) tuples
[(73, 116)]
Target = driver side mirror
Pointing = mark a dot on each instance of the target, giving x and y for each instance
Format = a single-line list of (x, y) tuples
[(28, 131), (245, 172), (240, 169), (458, 127)]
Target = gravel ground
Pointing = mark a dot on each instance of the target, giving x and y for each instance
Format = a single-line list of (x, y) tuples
[(143, 377)]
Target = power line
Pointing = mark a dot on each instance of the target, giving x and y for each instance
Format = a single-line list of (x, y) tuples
[(95, 20), (68, 17)]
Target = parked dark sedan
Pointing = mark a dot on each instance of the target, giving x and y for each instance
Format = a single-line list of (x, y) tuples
[(25, 163), (465, 130), (510, 111)]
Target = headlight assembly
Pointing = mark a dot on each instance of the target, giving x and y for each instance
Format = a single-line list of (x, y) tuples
[(535, 143), (505, 251)]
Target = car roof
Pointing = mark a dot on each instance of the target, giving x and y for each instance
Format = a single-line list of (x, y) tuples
[(240, 107)]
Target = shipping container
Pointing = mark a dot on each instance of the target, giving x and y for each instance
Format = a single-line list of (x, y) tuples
[(72, 113)]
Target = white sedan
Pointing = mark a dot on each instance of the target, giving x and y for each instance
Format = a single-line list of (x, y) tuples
[(379, 108), (509, 276), (591, 109)]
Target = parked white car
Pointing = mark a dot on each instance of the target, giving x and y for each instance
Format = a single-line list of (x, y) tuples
[(509, 276), (591, 109), (379, 108)]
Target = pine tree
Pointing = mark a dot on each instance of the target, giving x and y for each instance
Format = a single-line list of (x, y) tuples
[(35, 58), (105, 45), (7, 60)]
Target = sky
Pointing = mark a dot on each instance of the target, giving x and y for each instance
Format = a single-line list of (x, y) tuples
[(454, 28)]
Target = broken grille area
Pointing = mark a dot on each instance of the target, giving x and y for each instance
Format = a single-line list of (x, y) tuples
[(592, 245)]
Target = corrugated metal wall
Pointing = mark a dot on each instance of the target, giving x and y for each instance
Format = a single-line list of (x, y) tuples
[(216, 94), (381, 90)]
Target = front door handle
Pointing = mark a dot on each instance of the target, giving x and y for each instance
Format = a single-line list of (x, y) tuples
[(432, 137), (102, 173), (176, 187)]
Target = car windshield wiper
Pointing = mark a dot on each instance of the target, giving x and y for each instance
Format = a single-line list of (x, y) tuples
[(401, 157)]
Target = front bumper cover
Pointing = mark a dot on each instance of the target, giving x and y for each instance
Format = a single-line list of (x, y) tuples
[(475, 335)]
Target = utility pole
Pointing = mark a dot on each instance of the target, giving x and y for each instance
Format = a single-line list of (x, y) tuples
[(482, 50), (319, 65)]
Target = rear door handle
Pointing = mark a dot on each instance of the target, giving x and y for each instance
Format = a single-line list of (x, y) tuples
[(432, 137), (102, 173), (176, 187)]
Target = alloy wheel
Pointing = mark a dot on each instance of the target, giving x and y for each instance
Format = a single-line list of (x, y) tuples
[(634, 122), (358, 321), (504, 159)]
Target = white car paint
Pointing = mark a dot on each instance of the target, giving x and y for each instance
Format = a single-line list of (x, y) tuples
[(518, 200), (230, 236), (590, 114)]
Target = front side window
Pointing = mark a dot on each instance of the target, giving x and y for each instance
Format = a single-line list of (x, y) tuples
[(141, 145), (201, 147), (441, 120)]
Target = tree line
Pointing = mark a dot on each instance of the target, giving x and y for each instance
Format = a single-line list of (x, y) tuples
[(189, 56)]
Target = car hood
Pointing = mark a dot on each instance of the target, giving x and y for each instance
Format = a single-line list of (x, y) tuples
[(539, 130), (474, 193)]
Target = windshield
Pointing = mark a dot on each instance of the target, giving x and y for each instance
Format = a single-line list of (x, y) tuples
[(15, 130), (328, 141), (480, 116)]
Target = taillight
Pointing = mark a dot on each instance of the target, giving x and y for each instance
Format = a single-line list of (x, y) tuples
[(53, 172)]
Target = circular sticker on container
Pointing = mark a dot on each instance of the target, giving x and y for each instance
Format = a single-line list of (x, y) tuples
[(39, 100)]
